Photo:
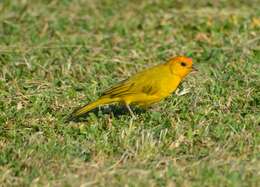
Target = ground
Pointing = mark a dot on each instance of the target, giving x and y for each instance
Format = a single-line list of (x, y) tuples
[(58, 55)]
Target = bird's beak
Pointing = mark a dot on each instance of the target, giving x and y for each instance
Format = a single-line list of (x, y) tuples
[(194, 69)]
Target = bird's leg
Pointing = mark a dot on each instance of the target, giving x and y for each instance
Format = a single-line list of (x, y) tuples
[(130, 110)]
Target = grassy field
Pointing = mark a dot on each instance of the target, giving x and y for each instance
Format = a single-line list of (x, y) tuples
[(60, 54)]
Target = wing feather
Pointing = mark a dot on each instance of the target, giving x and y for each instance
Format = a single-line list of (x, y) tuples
[(123, 88), (139, 83), (150, 89)]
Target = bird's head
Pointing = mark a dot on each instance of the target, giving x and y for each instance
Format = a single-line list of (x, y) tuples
[(180, 66)]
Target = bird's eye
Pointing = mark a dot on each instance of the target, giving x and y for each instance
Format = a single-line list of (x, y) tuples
[(183, 64)]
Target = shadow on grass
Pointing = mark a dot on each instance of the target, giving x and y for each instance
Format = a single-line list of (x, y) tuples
[(113, 110)]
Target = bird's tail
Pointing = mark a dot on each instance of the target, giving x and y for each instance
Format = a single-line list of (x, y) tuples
[(91, 106)]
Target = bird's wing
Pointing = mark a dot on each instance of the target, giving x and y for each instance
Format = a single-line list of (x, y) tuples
[(147, 82), (120, 88), (130, 87)]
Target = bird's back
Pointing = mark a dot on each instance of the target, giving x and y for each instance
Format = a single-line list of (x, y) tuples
[(149, 84)]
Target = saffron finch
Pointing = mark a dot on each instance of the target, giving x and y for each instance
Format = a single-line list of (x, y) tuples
[(144, 88)]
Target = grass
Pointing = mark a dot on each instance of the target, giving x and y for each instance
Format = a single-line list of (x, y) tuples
[(58, 55)]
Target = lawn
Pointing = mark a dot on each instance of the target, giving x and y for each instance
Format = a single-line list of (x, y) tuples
[(56, 55)]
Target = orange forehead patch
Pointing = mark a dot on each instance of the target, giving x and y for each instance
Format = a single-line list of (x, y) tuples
[(181, 59)]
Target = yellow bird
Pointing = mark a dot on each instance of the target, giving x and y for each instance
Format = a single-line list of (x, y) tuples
[(144, 88)]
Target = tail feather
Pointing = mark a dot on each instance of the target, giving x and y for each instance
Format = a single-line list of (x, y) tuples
[(91, 106)]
